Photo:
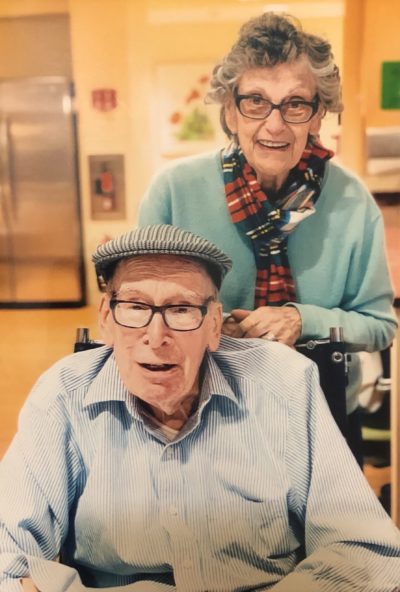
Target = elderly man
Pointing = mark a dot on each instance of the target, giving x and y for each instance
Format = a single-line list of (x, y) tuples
[(168, 461)]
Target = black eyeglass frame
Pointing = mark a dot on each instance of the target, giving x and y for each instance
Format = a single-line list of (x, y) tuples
[(203, 308), (314, 104)]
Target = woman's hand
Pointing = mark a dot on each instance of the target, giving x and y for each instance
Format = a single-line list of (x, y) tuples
[(231, 327), (282, 323)]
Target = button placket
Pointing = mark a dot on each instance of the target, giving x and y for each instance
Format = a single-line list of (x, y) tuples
[(183, 545)]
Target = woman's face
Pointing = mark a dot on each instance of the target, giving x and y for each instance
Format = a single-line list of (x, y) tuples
[(272, 146)]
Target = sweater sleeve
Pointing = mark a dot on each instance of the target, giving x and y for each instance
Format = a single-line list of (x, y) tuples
[(366, 312)]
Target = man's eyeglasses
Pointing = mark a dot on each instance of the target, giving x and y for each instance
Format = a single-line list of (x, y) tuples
[(292, 111), (178, 317)]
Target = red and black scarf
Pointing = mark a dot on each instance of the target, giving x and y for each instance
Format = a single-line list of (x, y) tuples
[(267, 223)]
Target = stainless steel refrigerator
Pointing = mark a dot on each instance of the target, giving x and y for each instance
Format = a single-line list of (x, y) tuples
[(41, 262)]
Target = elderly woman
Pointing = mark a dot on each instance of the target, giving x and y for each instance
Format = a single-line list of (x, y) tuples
[(305, 236)]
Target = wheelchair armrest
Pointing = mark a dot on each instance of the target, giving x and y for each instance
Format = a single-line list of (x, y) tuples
[(332, 360), (83, 341)]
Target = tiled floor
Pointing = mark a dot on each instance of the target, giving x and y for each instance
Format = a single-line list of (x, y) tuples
[(30, 341), (31, 281)]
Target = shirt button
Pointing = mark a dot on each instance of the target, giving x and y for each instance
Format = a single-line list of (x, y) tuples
[(187, 564), (173, 510), (169, 453)]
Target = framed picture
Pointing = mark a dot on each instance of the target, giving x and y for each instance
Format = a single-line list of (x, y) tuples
[(186, 125)]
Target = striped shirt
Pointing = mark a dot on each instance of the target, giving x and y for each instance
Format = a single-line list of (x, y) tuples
[(258, 490)]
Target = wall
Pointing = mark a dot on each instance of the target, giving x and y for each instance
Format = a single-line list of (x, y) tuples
[(12, 8), (28, 39), (381, 43), (99, 35), (371, 36), (352, 133)]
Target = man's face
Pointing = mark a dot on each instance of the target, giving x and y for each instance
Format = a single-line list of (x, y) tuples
[(157, 364)]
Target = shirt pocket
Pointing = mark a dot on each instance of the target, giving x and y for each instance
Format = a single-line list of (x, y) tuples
[(273, 529), (251, 527)]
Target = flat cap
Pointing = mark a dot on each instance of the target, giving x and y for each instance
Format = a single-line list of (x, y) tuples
[(162, 239)]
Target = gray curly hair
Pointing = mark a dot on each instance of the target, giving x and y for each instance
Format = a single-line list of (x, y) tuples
[(266, 41)]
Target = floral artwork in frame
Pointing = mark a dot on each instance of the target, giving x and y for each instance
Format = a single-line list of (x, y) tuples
[(187, 125)]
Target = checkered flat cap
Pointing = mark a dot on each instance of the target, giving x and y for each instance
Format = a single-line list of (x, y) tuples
[(162, 239)]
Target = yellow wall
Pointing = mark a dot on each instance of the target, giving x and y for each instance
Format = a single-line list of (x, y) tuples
[(381, 44), (371, 36), (13, 8), (27, 41), (99, 41), (351, 142)]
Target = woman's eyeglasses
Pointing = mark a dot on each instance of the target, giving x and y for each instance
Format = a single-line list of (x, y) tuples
[(292, 111), (178, 317)]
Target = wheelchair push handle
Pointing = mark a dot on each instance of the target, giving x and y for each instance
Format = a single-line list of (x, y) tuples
[(83, 341)]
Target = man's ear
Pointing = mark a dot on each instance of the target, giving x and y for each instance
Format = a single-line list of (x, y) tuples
[(216, 326), (106, 321)]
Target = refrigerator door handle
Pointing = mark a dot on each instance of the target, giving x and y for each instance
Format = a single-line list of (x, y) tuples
[(5, 195), (6, 203), (8, 167)]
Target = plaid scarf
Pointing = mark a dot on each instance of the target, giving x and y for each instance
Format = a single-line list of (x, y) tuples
[(267, 223)]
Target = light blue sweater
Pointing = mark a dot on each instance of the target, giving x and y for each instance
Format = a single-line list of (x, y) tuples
[(337, 256)]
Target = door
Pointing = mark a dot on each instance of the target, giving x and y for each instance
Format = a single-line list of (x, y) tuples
[(40, 230)]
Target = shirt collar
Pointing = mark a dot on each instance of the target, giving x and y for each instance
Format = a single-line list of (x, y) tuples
[(214, 382), (108, 385)]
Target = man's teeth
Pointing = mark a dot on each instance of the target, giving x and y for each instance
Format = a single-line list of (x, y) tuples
[(158, 367), (268, 144)]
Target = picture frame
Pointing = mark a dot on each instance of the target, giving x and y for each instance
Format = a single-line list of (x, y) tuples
[(186, 124)]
